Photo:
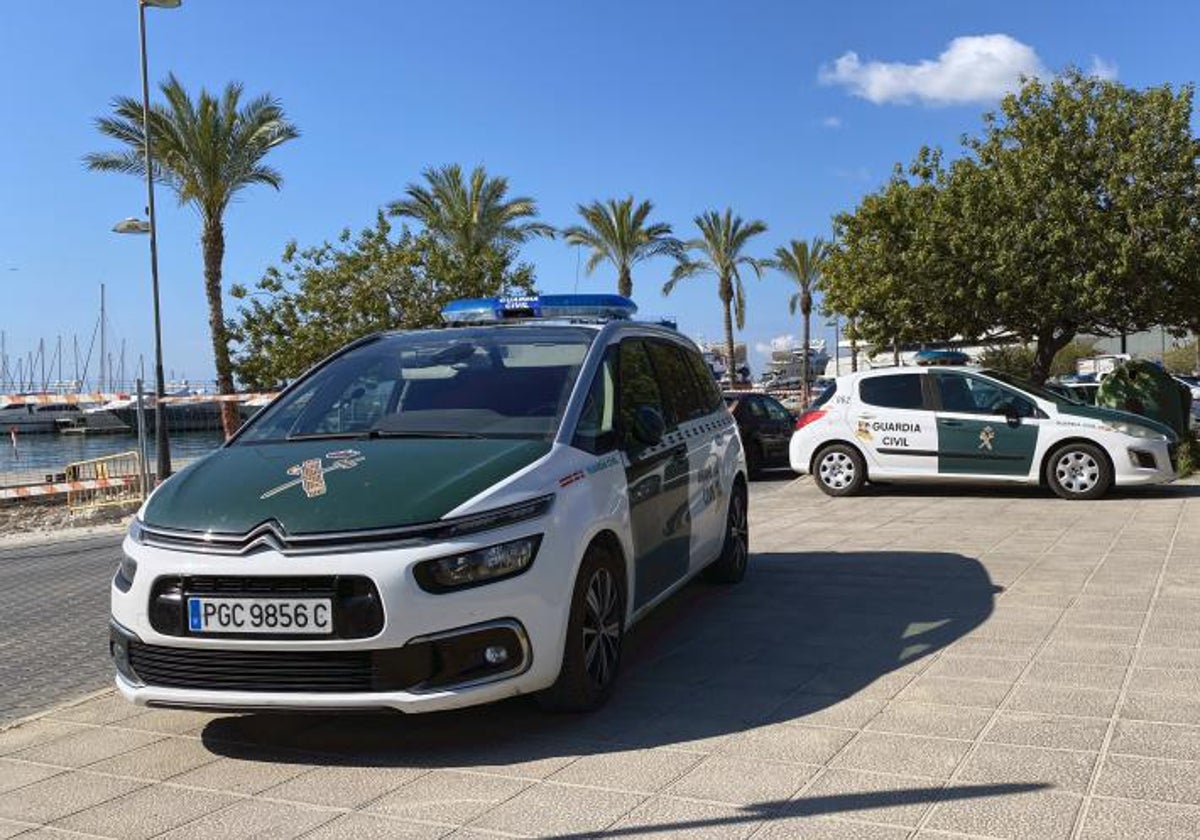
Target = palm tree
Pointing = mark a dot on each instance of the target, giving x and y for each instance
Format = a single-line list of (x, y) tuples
[(470, 217), (719, 252), (618, 232), (802, 262), (206, 150)]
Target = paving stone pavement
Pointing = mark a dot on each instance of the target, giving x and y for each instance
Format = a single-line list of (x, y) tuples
[(908, 664)]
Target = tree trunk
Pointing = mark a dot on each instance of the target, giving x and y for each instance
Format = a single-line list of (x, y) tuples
[(853, 347), (896, 352), (213, 243), (1048, 345), (729, 349), (625, 283), (806, 311)]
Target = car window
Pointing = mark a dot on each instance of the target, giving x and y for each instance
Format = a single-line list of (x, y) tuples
[(705, 381), (825, 396), (637, 387), (680, 391), (596, 430), (776, 411), (973, 395), (895, 391), (755, 406), (512, 382)]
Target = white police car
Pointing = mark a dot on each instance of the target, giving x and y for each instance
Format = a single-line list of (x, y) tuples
[(960, 424), (435, 519)]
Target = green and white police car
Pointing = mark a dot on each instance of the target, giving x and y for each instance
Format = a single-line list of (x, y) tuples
[(959, 424), (435, 519)]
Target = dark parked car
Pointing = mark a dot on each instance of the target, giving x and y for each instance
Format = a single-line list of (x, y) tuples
[(765, 426)]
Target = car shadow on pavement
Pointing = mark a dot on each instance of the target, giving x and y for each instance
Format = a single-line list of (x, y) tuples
[(707, 671)]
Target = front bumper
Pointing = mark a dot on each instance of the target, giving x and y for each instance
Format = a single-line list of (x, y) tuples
[(457, 667), (428, 652)]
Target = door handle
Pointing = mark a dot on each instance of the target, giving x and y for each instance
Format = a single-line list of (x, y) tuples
[(951, 422)]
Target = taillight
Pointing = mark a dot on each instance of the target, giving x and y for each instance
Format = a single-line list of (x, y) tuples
[(810, 416)]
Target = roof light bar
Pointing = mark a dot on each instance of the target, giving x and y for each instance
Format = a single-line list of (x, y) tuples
[(562, 307)]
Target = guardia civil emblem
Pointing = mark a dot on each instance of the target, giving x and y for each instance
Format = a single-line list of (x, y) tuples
[(986, 436), (310, 474)]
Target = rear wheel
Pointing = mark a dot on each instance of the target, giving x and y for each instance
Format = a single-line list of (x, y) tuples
[(730, 566), (595, 632), (1079, 471), (840, 470)]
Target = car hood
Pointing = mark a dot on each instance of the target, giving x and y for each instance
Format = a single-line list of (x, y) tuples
[(1113, 415), (312, 487)]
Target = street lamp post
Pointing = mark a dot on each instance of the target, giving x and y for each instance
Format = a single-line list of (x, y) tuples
[(160, 413)]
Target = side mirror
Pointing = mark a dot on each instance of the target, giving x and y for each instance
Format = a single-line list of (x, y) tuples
[(1011, 416), (648, 425)]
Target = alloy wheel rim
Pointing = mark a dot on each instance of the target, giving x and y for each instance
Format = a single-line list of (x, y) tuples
[(601, 628), (739, 532), (1077, 471), (837, 470)]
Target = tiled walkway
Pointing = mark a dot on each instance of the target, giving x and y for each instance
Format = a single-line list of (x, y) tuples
[(906, 664)]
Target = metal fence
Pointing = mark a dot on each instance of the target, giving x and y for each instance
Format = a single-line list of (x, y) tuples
[(112, 480)]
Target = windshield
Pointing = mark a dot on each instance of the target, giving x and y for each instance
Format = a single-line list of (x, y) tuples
[(1022, 385), (476, 382)]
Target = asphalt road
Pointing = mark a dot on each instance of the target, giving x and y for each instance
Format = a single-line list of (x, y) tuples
[(54, 622)]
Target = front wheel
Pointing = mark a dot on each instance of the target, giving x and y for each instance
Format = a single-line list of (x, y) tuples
[(1079, 471), (730, 566), (595, 631), (840, 470)]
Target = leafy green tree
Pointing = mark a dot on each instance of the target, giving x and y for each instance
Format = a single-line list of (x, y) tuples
[(472, 219), (1183, 358), (321, 298), (801, 262), (1072, 212), (718, 251), (206, 150), (1078, 211), (619, 233)]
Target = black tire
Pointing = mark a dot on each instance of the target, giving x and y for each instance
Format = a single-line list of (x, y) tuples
[(592, 656), (754, 460), (1078, 471), (730, 565), (839, 470)]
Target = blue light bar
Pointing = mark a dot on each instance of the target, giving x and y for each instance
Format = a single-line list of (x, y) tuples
[(562, 307)]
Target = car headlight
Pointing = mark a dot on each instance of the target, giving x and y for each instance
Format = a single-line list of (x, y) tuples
[(135, 530), (474, 568), (1134, 430)]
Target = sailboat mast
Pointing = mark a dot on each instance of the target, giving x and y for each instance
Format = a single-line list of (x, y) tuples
[(103, 341)]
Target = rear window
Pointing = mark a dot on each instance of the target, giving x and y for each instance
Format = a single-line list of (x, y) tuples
[(825, 397), (901, 390)]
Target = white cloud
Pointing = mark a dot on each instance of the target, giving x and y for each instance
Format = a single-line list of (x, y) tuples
[(1102, 69), (972, 68), (831, 122), (779, 342)]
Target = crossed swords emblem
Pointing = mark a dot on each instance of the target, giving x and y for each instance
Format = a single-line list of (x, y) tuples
[(311, 473)]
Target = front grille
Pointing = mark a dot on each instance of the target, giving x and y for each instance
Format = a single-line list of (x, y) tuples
[(252, 670), (455, 658), (357, 607)]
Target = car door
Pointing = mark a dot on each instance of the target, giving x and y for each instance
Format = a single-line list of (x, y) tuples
[(657, 475), (983, 428), (779, 427), (893, 422)]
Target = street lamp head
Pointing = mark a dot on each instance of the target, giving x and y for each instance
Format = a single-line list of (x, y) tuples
[(161, 4), (132, 225)]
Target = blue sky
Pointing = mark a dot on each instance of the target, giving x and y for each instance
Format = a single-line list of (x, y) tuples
[(694, 105)]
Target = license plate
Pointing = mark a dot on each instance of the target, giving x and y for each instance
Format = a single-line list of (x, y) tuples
[(260, 615)]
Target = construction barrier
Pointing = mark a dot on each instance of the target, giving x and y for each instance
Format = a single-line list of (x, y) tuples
[(111, 480), (58, 488), (101, 398)]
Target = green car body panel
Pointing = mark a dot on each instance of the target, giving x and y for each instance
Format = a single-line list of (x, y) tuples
[(318, 486), (1113, 415), (985, 447)]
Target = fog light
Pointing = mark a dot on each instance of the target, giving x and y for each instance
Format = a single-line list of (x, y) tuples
[(495, 655)]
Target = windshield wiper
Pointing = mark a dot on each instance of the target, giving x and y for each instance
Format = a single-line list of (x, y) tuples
[(375, 434)]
